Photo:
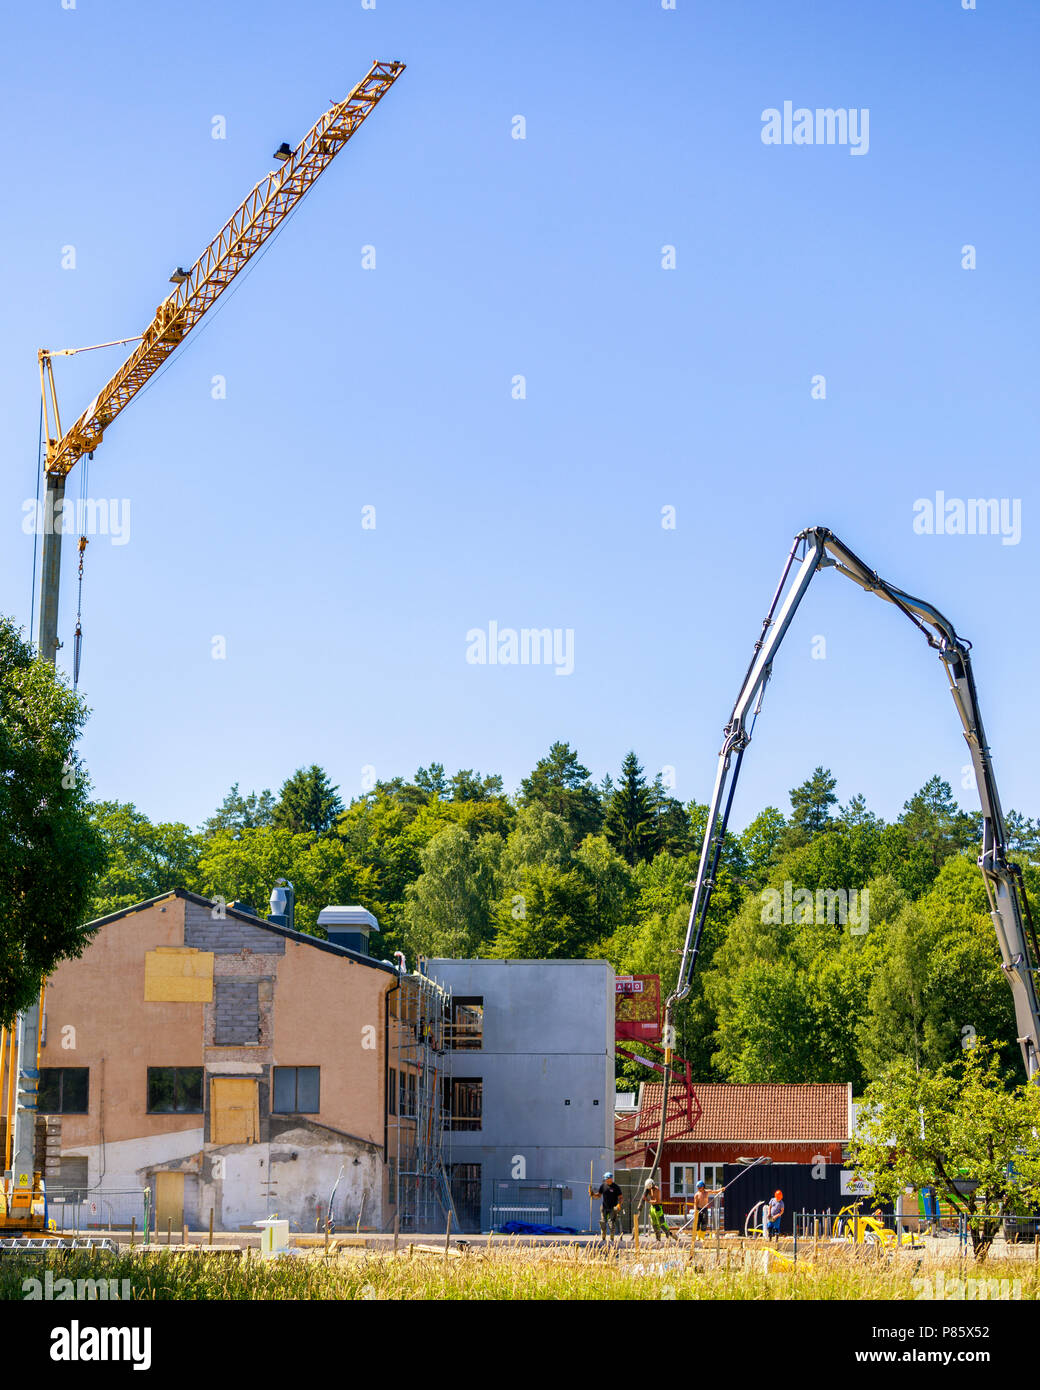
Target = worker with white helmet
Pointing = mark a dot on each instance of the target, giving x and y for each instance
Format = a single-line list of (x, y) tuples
[(658, 1220)]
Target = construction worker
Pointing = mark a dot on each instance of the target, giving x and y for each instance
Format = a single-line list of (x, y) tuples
[(658, 1220), (610, 1196), (702, 1198), (774, 1212)]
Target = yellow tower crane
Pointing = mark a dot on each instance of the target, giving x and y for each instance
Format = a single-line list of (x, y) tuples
[(195, 291)]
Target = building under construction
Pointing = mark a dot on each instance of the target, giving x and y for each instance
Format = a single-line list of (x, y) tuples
[(419, 1024)]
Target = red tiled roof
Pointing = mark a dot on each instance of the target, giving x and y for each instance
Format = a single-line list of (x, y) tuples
[(762, 1112)]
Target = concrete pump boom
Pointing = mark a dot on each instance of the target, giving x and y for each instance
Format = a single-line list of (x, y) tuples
[(813, 550)]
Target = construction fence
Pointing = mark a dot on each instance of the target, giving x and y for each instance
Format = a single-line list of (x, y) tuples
[(77, 1212)]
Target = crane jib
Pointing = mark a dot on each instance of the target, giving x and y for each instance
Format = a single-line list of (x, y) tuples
[(263, 210)]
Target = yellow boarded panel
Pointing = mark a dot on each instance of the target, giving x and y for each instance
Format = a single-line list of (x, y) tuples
[(178, 975), (234, 1111), (169, 1200)]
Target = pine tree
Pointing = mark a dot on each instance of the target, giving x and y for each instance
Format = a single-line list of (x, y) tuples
[(237, 813), (811, 802), (307, 801), (630, 824), (561, 784)]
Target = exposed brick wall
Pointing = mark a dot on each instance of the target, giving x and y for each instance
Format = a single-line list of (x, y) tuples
[(237, 1012), (227, 935)]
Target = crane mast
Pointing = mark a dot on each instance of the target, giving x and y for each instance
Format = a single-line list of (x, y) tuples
[(815, 549), (261, 212)]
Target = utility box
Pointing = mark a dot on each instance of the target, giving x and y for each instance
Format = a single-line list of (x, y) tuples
[(274, 1237)]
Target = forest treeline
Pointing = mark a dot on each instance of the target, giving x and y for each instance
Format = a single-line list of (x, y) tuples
[(787, 989)]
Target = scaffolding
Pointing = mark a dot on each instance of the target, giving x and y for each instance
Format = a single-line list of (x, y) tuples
[(418, 1035)]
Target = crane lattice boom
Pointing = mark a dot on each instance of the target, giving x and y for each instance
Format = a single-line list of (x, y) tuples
[(245, 231)]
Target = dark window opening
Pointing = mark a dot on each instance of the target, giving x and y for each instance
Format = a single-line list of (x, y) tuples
[(63, 1091), (467, 1024), (175, 1090), (465, 1193), (463, 1100)]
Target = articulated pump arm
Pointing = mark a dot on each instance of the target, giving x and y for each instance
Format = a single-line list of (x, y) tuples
[(815, 549)]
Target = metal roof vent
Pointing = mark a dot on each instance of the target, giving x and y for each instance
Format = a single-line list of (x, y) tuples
[(348, 926)]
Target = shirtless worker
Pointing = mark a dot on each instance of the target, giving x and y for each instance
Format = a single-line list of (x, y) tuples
[(701, 1202), (658, 1220)]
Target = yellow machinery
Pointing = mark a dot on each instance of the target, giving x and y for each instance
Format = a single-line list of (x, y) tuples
[(22, 1205), (22, 1195), (851, 1225)]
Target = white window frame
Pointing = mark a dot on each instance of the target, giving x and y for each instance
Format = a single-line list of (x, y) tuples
[(677, 1185)]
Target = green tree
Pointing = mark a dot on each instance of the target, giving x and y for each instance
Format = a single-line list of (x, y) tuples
[(432, 781), (937, 981), (810, 806), (934, 822), (630, 823), (467, 785), (245, 865), (237, 812), (50, 851), (448, 909), (949, 1128), (561, 784), (307, 801), (551, 915), (761, 842), (143, 859)]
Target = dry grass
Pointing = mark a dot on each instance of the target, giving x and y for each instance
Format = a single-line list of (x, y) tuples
[(517, 1272)]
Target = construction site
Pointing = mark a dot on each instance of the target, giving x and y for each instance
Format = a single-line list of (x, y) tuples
[(542, 1033)]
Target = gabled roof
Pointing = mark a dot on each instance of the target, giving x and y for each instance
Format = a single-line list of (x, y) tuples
[(241, 915), (760, 1112)]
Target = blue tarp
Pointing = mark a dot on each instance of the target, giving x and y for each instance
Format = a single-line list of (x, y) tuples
[(528, 1228)]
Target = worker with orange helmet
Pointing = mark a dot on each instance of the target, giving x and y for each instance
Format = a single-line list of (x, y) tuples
[(774, 1213)]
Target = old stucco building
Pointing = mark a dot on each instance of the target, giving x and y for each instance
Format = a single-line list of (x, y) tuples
[(222, 1061)]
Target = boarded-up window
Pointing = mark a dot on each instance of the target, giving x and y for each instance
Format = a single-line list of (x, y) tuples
[(178, 975), (238, 1013), (234, 1110)]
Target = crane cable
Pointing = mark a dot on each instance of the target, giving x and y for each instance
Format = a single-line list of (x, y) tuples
[(77, 641)]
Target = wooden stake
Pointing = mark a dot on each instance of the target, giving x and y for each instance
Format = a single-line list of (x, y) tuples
[(211, 1225), (447, 1234), (635, 1230), (169, 1228), (397, 1229)]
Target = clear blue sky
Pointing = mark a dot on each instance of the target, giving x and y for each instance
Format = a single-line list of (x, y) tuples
[(646, 387)]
